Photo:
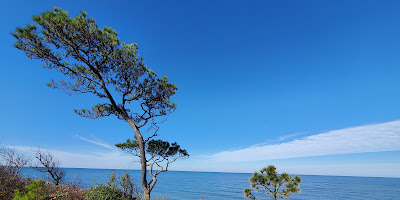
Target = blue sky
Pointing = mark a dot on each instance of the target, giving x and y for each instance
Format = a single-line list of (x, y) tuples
[(309, 86)]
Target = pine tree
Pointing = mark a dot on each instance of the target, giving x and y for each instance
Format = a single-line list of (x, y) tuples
[(270, 182)]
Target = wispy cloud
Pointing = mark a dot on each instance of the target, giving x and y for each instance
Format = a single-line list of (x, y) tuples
[(107, 160), (367, 138), (286, 137), (100, 143)]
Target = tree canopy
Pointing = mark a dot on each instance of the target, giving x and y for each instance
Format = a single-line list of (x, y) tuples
[(271, 182), (96, 62), (160, 154)]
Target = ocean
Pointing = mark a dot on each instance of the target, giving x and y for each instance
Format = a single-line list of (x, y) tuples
[(179, 185)]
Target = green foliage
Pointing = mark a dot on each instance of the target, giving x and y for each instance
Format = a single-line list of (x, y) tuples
[(164, 149), (34, 191), (271, 181), (128, 145), (111, 190), (161, 154), (103, 192), (155, 148), (95, 61)]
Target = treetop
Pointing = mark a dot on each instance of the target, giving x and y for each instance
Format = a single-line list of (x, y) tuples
[(95, 61)]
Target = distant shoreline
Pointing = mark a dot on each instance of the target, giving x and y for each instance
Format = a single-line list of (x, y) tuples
[(227, 172)]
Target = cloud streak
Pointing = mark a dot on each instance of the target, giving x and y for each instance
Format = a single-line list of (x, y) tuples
[(93, 141), (361, 139)]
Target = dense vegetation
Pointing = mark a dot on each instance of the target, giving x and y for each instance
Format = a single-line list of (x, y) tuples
[(17, 188), (14, 187)]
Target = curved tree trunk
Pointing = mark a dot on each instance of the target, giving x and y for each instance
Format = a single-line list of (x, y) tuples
[(143, 161)]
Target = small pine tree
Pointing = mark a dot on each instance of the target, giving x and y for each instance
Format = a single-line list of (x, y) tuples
[(269, 179)]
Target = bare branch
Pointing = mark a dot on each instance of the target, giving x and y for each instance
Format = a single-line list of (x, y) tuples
[(49, 164), (12, 162)]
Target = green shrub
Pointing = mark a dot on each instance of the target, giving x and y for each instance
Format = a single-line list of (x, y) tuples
[(111, 191), (103, 192), (34, 191)]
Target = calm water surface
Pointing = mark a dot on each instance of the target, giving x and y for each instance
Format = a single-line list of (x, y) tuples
[(219, 186)]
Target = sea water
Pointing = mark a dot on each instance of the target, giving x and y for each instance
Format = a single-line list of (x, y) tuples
[(179, 185)]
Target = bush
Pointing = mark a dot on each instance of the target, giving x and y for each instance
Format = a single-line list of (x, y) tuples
[(104, 192), (111, 191), (39, 190), (65, 192), (34, 191), (9, 183)]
